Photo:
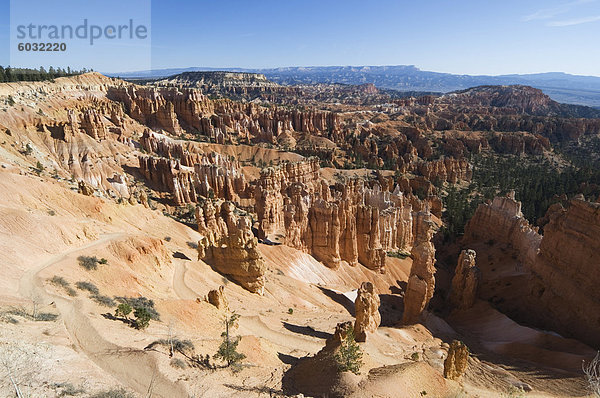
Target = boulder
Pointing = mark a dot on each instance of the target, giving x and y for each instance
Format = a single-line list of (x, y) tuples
[(217, 298)]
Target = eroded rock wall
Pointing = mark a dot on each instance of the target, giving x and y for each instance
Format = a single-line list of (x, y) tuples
[(229, 245), (345, 222), (559, 269)]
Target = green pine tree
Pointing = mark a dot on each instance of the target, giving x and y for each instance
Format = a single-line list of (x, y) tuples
[(349, 355), (228, 349), (142, 317)]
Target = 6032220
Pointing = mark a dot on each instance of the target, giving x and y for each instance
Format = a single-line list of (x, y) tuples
[(42, 47)]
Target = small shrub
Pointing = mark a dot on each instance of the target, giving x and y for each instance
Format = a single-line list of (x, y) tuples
[(51, 212), (399, 254), (103, 300), (141, 302), (8, 319), (123, 310), (113, 393), (68, 389), (89, 263), (10, 100), (290, 311), (59, 281), (184, 347), (591, 371), (103, 261), (192, 245), (178, 363), (39, 168), (349, 356), (87, 286), (142, 318), (45, 317), (167, 238), (414, 356)]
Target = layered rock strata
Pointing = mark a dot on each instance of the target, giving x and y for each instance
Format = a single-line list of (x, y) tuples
[(560, 267), (346, 222), (188, 175), (366, 307), (229, 245), (421, 282), (177, 110)]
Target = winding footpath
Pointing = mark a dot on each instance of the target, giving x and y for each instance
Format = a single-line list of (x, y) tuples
[(132, 367)]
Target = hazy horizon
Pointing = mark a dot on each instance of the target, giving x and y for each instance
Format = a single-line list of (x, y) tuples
[(230, 68), (464, 37)]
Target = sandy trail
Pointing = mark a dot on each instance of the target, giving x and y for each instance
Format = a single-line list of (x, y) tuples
[(129, 366), (182, 290)]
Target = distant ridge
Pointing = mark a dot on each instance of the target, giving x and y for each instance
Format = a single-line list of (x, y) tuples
[(562, 87)]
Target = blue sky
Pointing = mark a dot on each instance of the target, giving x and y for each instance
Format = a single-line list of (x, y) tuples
[(457, 36)]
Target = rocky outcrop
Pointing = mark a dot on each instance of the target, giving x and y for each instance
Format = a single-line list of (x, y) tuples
[(170, 176), (520, 143), (559, 274), (177, 110), (295, 185), (319, 375), (346, 222), (465, 281), (568, 267), (187, 174), (502, 221), (93, 124), (421, 282), (84, 188), (457, 360), (446, 169), (217, 298), (229, 245), (367, 311)]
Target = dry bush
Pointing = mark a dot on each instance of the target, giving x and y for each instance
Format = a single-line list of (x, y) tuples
[(61, 282), (592, 374), (20, 368), (103, 300), (89, 263), (88, 286)]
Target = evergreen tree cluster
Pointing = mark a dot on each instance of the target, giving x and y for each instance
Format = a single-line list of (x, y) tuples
[(9, 74), (537, 184)]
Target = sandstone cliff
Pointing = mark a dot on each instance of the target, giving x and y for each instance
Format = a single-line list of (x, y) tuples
[(187, 173), (345, 222), (556, 286), (229, 245), (503, 221)]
